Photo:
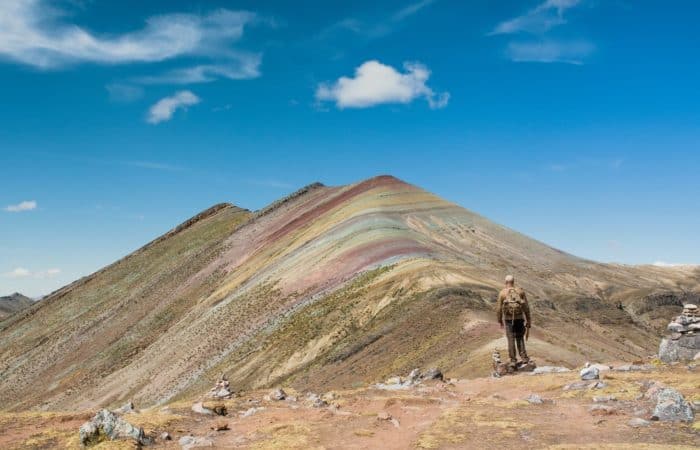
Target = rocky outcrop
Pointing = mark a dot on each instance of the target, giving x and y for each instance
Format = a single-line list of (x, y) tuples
[(683, 342), (108, 426)]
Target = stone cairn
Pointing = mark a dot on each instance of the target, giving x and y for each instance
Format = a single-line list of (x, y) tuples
[(683, 342), (221, 390)]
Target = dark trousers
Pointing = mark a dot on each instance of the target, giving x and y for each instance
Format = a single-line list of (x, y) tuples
[(515, 334)]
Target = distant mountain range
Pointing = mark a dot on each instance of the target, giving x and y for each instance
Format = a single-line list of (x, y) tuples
[(13, 303), (329, 287)]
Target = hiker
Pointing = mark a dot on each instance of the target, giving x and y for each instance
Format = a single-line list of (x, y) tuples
[(514, 313)]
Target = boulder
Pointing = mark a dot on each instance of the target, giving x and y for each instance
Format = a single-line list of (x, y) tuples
[(165, 436), (107, 425), (534, 399), (278, 394), (590, 373), (672, 407), (219, 408)]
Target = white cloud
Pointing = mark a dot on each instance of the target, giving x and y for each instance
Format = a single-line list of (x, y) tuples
[(540, 19), (665, 264), (550, 51), (27, 205), (164, 108), (375, 83), (31, 32), (21, 272)]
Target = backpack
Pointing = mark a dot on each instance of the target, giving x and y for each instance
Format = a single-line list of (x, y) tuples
[(513, 304)]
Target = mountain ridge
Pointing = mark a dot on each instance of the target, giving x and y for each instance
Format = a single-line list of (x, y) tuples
[(326, 287)]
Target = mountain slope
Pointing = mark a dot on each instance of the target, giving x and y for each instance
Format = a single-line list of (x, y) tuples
[(13, 303), (328, 287)]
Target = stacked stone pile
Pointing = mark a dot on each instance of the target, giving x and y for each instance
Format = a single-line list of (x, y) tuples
[(222, 389), (683, 342)]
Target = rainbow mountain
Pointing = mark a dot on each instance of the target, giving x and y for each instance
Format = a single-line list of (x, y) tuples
[(329, 287)]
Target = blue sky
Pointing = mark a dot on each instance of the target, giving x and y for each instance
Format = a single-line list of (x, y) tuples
[(575, 122)]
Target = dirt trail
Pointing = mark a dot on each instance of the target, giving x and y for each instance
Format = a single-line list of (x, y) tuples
[(480, 413)]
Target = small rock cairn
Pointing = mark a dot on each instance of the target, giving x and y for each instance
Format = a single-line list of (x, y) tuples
[(221, 390), (683, 342)]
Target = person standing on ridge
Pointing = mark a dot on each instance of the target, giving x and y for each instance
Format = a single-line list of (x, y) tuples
[(513, 312)]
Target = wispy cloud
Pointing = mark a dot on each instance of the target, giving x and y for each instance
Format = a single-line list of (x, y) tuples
[(27, 205), (241, 67), (375, 83), (372, 29), (549, 51), (542, 47), (36, 33), (124, 93), (31, 32), (163, 109), (538, 20), (21, 272)]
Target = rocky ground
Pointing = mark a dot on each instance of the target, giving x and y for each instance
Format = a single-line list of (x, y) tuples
[(548, 410)]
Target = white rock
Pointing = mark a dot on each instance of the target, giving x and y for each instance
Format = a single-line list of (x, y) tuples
[(589, 373)]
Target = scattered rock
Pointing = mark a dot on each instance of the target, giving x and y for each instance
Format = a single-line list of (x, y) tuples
[(534, 399), (602, 410), (220, 425), (433, 374), (632, 368), (580, 385), (394, 380), (125, 409), (383, 415), (107, 425), (604, 399), (672, 407), (638, 422), (249, 412), (315, 400), (218, 408), (165, 436), (278, 394), (550, 369), (188, 442), (590, 373), (200, 409)]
